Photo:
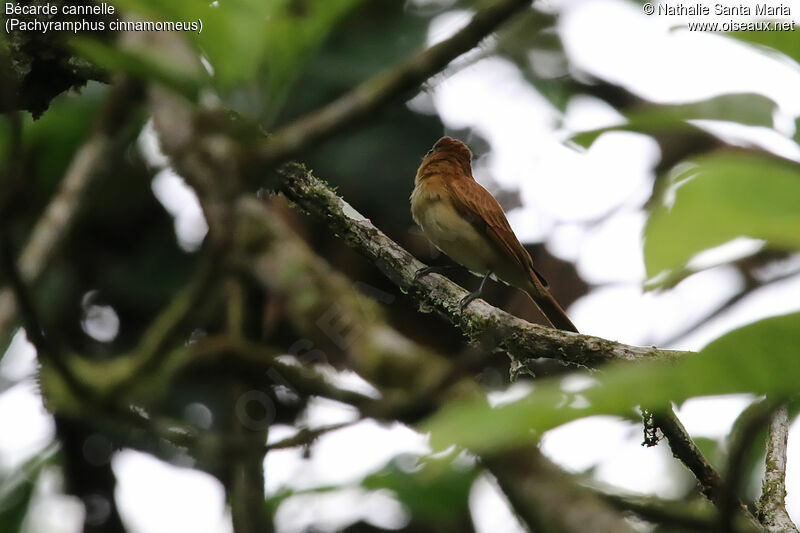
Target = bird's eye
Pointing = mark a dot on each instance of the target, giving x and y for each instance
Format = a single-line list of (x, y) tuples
[(429, 152)]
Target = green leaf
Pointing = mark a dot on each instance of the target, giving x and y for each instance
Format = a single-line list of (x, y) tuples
[(232, 35), (240, 37), (745, 108), (760, 358), (291, 37), (719, 197), (531, 40), (141, 63), (797, 130), (16, 490), (753, 460), (710, 449), (58, 133), (14, 506), (787, 42), (434, 490)]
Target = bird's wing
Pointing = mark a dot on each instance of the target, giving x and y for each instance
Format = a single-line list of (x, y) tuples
[(477, 206)]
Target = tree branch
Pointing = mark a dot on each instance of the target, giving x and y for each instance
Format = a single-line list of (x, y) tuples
[(480, 322), (338, 321), (684, 449), (389, 360), (771, 507), (245, 474), (549, 500), (366, 98), (306, 436), (675, 515)]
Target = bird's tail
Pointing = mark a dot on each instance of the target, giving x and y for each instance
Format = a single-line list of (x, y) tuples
[(549, 306)]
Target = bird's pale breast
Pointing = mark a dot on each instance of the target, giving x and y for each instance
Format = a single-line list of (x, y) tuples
[(448, 230)]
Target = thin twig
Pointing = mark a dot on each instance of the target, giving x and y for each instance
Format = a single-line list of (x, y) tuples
[(771, 507), (307, 436), (385, 87)]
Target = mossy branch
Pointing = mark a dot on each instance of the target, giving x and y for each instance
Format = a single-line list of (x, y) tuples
[(480, 322)]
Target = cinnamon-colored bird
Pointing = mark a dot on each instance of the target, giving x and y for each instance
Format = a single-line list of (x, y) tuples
[(464, 221)]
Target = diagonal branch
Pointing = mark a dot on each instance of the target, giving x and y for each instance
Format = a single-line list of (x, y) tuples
[(366, 98), (480, 322), (685, 449), (550, 500)]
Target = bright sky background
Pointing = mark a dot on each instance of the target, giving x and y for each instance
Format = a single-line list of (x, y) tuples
[(564, 193)]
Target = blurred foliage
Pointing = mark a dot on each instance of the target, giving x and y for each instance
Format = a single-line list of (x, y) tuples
[(58, 134), (249, 45), (750, 109), (143, 64), (379, 160), (434, 490), (14, 500), (785, 42), (532, 43), (17, 488), (721, 196), (760, 358), (753, 462), (234, 31), (122, 246)]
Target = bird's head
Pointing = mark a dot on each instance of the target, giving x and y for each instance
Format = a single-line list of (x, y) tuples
[(448, 145), (449, 158)]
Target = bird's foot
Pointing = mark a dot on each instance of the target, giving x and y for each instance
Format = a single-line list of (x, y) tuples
[(431, 270), (466, 300)]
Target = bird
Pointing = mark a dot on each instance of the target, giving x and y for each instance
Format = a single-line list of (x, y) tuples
[(464, 221)]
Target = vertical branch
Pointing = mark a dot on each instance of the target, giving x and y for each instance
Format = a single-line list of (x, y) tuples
[(246, 470), (245, 475), (771, 507), (86, 459)]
